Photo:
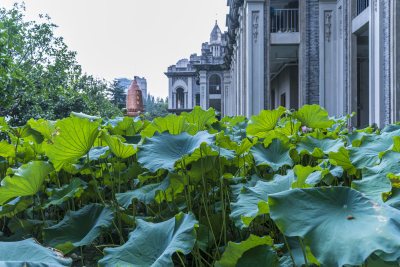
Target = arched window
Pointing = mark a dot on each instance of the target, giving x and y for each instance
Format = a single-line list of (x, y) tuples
[(214, 84), (180, 98)]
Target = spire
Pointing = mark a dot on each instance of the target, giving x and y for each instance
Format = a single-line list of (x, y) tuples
[(216, 34)]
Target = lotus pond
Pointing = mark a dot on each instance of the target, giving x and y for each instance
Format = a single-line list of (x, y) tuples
[(284, 188)]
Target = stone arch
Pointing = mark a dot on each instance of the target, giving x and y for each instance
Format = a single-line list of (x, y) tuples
[(180, 84)]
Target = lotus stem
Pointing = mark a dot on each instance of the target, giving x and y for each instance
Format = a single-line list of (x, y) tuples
[(290, 253), (304, 251)]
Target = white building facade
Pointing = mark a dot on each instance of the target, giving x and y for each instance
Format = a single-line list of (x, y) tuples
[(340, 54), (200, 80)]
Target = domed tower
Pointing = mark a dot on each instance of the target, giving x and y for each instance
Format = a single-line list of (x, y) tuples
[(216, 41), (134, 100)]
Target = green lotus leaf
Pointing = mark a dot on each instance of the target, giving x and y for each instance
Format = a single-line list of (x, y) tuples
[(31, 254), (252, 199), (375, 261), (145, 194), (172, 123), (26, 132), (152, 244), (120, 149), (27, 181), (341, 159), (319, 147), (339, 224), (275, 155), (14, 207), (238, 132), (289, 128), (60, 195), (373, 187), (396, 143), (125, 126), (163, 150), (79, 228), (390, 163), (235, 251), (314, 116), (394, 199), (75, 139), (368, 153), (84, 116), (264, 122), (263, 256), (6, 150), (200, 118), (45, 127), (303, 174), (98, 152)]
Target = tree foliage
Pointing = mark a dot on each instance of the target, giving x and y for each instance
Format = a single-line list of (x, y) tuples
[(40, 77)]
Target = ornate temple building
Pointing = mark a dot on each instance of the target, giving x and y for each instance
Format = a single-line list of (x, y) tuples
[(134, 100), (340, 54), (200, 80)]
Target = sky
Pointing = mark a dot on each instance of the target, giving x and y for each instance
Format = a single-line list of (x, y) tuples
[(127, 38)]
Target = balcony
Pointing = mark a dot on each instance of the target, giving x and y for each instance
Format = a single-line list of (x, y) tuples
[(285, 26), (285, 20), (361, 6)]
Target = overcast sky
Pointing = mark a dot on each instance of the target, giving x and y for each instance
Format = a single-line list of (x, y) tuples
[(124, 38)]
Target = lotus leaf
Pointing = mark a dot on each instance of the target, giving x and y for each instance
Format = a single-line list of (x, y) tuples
[(162, 151), (75, 139), (27, 181), (341, 159), (29, 253), (145, 194), (80, 228), (275, 155), (264, 122), (368, 153), (235, 251), (339, 224), (319, 147), (252, 199), (6, 150), (200, 118), (60, 195), (120, 150), (152, 244), (263, 256), (172, 123), (314, 116)]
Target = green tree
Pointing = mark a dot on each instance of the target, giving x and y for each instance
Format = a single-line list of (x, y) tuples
[(40, 76)]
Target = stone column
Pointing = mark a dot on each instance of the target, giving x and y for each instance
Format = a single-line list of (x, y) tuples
[(190, 93), (267, 50), (254, 10), (203, 89), (170, 100), (226, 94), (174, 101)]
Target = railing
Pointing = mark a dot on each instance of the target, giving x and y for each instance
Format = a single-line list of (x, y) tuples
[(285, 20), (361, 6)]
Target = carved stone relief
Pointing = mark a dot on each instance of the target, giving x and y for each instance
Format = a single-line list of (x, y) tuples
[(255, 18), (328, 25)]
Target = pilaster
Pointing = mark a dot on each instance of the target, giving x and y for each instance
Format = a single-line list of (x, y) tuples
[(203, 89), (254, 10)]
